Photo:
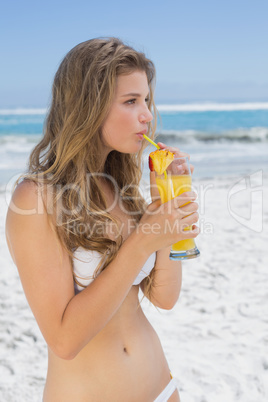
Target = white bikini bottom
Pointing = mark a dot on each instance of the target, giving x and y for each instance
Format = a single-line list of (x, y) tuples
[(167, 392)]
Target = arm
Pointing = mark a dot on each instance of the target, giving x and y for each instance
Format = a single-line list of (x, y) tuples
[(167, 279), (68, 322)]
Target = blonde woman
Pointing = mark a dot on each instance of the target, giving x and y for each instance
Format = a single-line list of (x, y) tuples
[(84, 240)]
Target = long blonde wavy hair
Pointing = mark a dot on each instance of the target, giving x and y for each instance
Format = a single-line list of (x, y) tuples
[(68, 158)]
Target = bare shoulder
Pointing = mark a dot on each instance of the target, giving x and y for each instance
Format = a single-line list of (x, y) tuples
[(27, 198), (27, 216)]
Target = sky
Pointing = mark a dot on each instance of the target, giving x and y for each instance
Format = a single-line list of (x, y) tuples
[(203, 50)]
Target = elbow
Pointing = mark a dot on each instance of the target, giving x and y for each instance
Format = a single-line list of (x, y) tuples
[(64, 350), (167, 303), (66, 345), (66, 355), (63, 353)]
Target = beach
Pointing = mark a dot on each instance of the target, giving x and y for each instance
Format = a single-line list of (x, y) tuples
[(216, 337)]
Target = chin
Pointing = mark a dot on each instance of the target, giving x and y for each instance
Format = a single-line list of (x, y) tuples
[(138, 146), (130, 150)]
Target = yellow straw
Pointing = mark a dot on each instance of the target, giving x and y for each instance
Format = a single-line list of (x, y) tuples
[(151, 141), (157, 146)]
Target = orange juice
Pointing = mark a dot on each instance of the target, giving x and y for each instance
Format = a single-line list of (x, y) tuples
[(170, 187)]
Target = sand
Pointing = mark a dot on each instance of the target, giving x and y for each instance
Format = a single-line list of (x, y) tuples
[(215, 338)]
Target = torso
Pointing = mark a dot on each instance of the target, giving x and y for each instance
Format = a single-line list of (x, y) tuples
[(123, 362)]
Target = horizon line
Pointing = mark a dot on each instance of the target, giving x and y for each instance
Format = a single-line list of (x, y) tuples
[(203, 106)]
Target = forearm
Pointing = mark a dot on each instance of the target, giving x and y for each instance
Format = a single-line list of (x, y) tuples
[(167, 281), (88, 312)]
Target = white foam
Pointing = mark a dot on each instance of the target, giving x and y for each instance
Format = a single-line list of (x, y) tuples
[(187, 107), (209, 107), (251, 134), (22, 111)]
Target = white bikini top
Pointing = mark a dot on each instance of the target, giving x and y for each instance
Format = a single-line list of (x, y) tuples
[(85, 263)]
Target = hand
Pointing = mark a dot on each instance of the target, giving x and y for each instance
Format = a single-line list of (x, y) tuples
[(163, 224), (177, 153)]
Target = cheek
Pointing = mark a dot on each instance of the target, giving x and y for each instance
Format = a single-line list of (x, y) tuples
[(114, 120), (118, 124), (111, 134), (106, 137), (121, 118)]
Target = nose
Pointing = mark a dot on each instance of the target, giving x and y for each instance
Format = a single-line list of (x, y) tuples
[(145, 116)]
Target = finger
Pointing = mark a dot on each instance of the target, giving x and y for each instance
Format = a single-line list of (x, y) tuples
[(182, 168), (174, 150), (193, 232), (177, 152), (183, 199), (156, 204), (162, 145), (190, 219), (192, 168), (181, 154), (189, 208)]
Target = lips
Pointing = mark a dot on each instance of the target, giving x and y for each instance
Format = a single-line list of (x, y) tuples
[(143, 131), (140, 135)]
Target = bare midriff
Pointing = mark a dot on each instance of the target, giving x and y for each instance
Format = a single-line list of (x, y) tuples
[(124, 362)]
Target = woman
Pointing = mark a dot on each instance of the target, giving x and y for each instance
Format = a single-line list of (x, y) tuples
[(84, 240)]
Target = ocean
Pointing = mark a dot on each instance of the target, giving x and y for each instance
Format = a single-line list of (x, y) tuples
[(221, 138)]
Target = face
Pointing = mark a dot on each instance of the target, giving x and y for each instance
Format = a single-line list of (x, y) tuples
[(129, 115)]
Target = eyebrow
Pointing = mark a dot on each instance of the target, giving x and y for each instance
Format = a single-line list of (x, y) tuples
[(132, 94)]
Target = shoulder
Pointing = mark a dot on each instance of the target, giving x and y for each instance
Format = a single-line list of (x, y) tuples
[(30, 198), (28, 224), (26, 209), (25, 196)]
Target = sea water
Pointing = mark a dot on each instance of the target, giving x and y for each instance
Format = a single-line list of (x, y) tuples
[(220, 138)]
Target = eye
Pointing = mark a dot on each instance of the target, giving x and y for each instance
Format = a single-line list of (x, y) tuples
[(147, 100), (131, 101)]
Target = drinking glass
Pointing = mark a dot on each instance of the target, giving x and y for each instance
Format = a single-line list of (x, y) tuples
[(176, 180)]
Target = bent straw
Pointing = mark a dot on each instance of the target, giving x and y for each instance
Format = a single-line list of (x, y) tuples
[(155, 145), (151, 141)]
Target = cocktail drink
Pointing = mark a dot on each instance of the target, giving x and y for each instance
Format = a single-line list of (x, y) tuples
[(175, 181)]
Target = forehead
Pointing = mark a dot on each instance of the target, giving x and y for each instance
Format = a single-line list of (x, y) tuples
[(133, 82)]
